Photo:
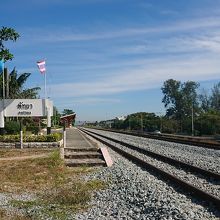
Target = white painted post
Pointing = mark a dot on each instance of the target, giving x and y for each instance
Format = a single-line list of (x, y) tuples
[(21, 135), (64, 137), (21, 139), (64, 143), (2, 121), (2, 115), (48, 121), (61, 152)]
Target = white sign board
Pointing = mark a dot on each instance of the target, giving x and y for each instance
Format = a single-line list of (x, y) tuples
[(49, 107), (26, 107)]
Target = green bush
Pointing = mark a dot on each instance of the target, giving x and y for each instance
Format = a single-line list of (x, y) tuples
[(53, 137), (43, 138), (12, 127), (33, 129), (33, 138), (9, 138)]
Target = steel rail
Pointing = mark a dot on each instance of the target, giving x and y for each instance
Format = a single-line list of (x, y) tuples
[(164, 158), (187, 186), (168, 138)]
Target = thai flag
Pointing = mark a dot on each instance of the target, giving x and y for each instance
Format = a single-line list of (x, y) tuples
[(41, 66)]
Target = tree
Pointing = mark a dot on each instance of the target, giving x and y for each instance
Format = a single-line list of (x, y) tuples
[(67, 112), (205, 102), (7, 34), (190, 97), (141, 120), (169, 125), (212, 101), (208, 123), (118, 124), (215, 97), (15, 83), (16, 86), (179, 99), (172, 98), (56, 117)]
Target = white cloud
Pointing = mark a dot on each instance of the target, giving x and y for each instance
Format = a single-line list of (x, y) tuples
[(146, 77), (169, 12), (88, 100), (212, 44), (95, 100), (195, 42), (138, 72), (68, 34)]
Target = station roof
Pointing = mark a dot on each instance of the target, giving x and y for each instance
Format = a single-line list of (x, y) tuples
[(68, 116)]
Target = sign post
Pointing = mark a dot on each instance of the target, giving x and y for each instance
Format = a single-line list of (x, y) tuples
[(48, 121), (62, 148), (2, 122), (21, 135), (26, 108), (64, 135), (2, 119)]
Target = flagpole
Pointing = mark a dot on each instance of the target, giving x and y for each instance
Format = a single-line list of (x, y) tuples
[(45, 86), (3, 83), (41, 65), (2, 120)]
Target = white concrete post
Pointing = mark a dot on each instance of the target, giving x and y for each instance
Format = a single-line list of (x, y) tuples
[(2, 122), (48, 121), (64, 139), (21, 135), (64, 143), (21, 139)]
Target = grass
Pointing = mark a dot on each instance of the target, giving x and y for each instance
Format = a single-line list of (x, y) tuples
[(23, 152), (32, 174), (12, 216), (58, 189), (60, 201)]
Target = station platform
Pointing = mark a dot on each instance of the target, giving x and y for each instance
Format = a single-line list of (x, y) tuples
[(81, 151), (75, 139)]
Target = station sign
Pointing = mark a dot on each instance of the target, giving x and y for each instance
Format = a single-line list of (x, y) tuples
[(26, 107)]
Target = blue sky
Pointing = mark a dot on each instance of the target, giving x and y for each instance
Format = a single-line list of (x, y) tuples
[(107, 58)]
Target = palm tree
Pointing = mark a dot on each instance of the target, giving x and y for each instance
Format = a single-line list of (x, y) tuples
[(16, 86)]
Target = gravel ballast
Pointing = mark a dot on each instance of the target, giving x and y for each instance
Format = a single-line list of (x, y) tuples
[(133, 193), (206, 184), (206, 158)]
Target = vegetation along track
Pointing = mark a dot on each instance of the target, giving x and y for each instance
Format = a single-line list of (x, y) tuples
[(194, 141), (187, 176)]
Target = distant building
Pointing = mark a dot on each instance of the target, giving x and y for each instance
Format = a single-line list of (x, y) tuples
[(121, 118)]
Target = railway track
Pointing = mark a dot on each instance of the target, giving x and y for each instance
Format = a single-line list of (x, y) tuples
[(149, 160), (194, 141)]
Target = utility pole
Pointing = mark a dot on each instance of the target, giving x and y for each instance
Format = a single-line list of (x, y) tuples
[(192, 121), (129, 120), (141, 122)]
